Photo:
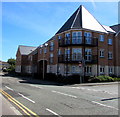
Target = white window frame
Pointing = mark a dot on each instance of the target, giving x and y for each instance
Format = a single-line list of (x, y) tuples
[(40, 51), (101, 38), (89, 54), (59, 37), (110, 69), (51, 57), (67, 54), (88, 37), (51, 46), (110, 55), (67, 38), (110, 41), (88, 69), (101, 52), (102, 70), (77, 37), (45, 50), (73, 69), (59, 52), (76, 54)]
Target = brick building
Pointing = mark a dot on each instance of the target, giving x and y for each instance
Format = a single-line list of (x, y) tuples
[(81, 46)]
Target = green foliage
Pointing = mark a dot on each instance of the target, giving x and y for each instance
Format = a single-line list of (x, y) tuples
[(102, 78), (11, 61), (116, 79), (105, 78), (11, 69)]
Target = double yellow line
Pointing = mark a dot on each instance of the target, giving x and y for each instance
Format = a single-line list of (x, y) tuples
[(18, 104)]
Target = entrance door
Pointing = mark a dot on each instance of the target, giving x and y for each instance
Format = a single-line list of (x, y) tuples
[(42, 68)]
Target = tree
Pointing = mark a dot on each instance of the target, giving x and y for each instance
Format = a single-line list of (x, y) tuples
[(11, 61)]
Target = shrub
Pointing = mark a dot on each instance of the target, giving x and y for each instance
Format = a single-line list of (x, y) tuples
[(93, 79), (116, 79), (102, 78), (11, 69)]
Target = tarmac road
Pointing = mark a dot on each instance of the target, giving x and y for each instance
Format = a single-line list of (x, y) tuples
[(48, 98)]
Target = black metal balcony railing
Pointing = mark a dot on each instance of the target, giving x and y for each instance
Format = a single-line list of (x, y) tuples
[(78, 40), (75, 58)]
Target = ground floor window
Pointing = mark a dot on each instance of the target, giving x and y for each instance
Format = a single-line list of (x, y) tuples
[(75, 69), (88, 69), (67, 69), (110, 70), (102, 70)]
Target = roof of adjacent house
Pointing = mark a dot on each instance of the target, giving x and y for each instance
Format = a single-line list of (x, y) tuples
[(82, 19), (108, 29), (116, 28), (25, 50)]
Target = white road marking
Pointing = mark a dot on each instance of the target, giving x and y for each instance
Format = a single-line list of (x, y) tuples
[(53, 112), (37, 86), (94, 90), (104, 105), (65, 94), (9, 88), (26, 98)]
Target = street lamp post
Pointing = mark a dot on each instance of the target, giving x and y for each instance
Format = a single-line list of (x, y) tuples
[(45, 45), (80, 66)]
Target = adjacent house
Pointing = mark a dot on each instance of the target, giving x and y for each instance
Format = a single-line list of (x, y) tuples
[(4, 65), (81, 46), (22, 59)]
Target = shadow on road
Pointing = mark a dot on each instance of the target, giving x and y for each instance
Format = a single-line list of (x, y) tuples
[(32, 80)]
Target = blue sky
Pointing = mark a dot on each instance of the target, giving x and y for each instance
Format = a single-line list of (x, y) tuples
[(33, 23)]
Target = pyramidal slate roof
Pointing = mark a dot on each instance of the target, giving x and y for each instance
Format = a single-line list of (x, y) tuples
[(25, 50), (82, 19)]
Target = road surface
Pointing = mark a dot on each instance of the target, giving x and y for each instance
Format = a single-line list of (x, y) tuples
[(37, 97)]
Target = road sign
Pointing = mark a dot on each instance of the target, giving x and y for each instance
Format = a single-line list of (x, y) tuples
[(80, 64)]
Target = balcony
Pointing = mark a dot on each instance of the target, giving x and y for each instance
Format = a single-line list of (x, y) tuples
[(75, 58), (78, 41)]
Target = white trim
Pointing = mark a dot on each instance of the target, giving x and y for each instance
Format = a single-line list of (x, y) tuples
[(75, 18)]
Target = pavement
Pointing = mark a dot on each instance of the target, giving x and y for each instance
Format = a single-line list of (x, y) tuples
[(50, 98), (7, 108)]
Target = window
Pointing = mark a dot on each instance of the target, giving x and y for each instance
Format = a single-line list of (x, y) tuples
[(59, 52), (30, 58), (45, 50), (59, 37), (88, 54), (101, 38), (102, 53), (76, 54), (102, 70), (40, 51), (88, 39), (67, 69), (110, 55), (110, 70), (67, 38), (88, 69), (76, 37), (50, 69), (110, 41), (75, 69), (51, 58), (51, 46), (67, 54)]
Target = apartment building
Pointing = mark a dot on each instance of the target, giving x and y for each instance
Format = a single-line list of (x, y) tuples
[(81, 46)]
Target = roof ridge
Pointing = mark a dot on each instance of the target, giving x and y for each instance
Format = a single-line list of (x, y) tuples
[(27, 46)]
